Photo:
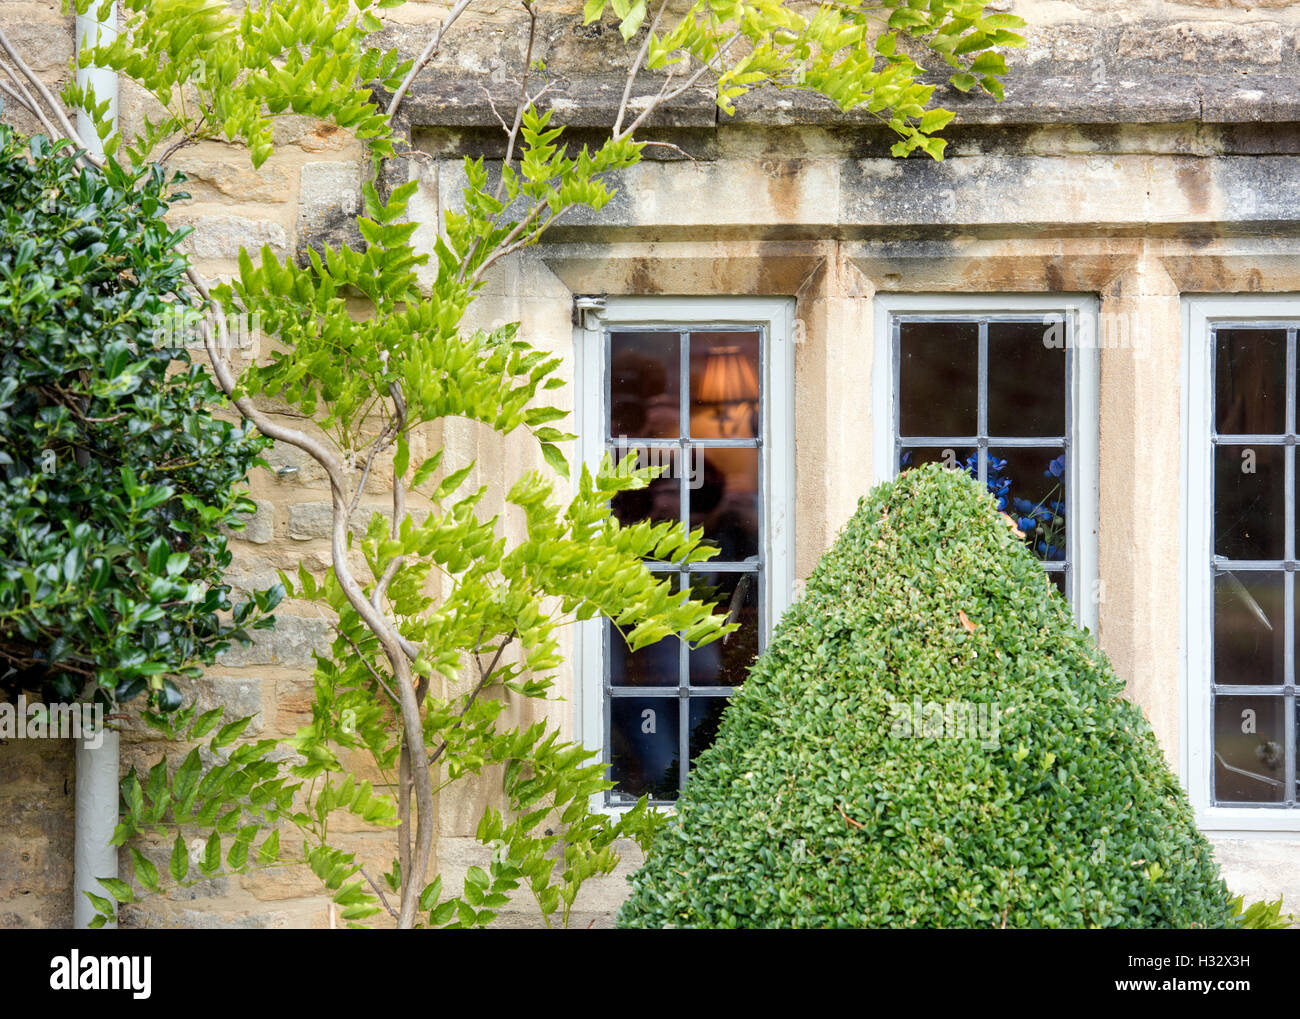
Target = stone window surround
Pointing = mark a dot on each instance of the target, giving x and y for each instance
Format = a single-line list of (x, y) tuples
[(1082, 403), (1141, 391), (776, 434)]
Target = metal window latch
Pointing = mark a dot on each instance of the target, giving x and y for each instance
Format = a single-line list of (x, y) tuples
[(586, 309)]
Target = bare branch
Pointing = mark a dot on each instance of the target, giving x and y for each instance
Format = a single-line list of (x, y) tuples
[(21, 101), (667, 97), (365, 472), (500, 119), (29, 103), (513, 133), (55, 106), (404, 840), (189, 138), (399, 505), (380, 892), (484, 678), (636, 66), (426, 54), (676, 148), (366, 662), (513, 242)]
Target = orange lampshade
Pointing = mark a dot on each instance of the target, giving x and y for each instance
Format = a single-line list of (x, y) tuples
[(729, 377)]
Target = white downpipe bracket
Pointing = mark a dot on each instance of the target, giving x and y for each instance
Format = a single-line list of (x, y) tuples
[(97, 769)]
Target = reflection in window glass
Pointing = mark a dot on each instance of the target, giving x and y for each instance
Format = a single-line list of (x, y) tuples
[(989, 397), (663, 702), (1253, 558)]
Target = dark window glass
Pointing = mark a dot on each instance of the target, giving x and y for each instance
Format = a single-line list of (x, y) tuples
[(655, 665), (1249, 750), (645, 385), (1249, 506), (706, 716), (1249, 628), (1254, 751), (1024, 365), (723, 491), (1026, 380), (938, 369), (1250, 381), (952, 457), (661, 499), (726, 662), (644, 746)]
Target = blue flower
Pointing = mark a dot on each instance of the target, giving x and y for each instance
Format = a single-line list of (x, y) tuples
[(1056, 468), (1050, 552), (1026, 524)]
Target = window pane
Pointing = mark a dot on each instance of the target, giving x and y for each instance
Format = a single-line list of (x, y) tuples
[(1249, 630), (1026, 381), (1249, 381), (723, 493), (938, 378), (726, 661), (706, 715), (1249, 754), (724, 385), (644, 746), (1029, 484), (1057, 577), (659, 664), (645, 385), (951, 457), (661, 498), (1249, 515)]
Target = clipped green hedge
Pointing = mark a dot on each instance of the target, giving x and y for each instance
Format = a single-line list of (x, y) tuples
[(815, 808)]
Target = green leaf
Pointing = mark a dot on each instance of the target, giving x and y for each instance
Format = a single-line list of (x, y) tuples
[(180, 861), (145, 872), (426, 470), (555, 459), (117, 888)]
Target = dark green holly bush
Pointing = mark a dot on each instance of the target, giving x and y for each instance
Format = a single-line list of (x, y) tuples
[(115, 477), (814, 808)]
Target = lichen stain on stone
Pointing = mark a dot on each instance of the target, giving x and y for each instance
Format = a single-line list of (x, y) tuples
[(781, 178), (1195, 178), (642, 277)]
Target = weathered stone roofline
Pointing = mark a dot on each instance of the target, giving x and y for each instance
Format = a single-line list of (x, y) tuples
[(467, 101)]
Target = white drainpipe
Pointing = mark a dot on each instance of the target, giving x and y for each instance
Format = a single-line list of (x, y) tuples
[(97, 769)]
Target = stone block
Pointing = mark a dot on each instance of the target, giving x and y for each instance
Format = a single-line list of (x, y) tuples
[(290, 644)]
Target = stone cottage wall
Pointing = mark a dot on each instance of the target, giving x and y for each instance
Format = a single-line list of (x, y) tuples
[(1145, 150)]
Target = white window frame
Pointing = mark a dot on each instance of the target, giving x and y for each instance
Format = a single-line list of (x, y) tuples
[(1080, 314), (1196, 529), (776, 316)]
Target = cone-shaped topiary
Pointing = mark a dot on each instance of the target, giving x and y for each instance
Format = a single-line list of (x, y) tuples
[(929, 740)]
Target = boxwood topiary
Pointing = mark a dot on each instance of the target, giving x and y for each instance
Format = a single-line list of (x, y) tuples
[(116, 478), (848, 786)]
